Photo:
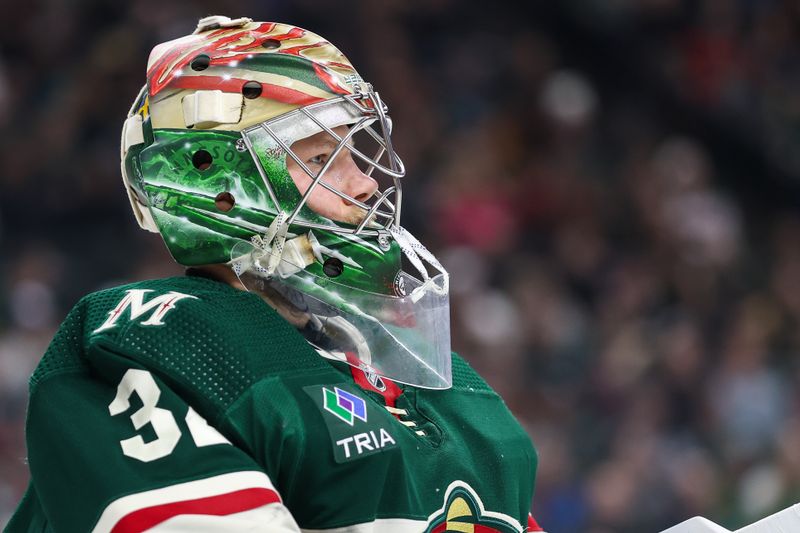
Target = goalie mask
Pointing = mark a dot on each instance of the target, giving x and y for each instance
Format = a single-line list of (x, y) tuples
[(259, 146)]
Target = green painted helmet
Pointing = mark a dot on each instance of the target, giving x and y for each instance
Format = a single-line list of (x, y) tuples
[(207, 159)]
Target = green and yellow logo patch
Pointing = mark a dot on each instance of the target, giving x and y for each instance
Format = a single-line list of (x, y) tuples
[(463, 512)]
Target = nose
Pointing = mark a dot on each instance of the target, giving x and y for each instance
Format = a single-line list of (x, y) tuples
[(357, 184)]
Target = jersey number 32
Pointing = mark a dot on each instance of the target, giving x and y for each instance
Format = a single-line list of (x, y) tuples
[(161, 420)]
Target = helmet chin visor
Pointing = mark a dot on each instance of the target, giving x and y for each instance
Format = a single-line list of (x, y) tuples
[(404, 337)]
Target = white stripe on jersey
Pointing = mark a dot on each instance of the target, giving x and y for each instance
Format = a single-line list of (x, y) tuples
[(381, 525), (181, 492), (272, 518)]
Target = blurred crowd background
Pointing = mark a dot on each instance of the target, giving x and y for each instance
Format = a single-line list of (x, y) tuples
[(613, 185)]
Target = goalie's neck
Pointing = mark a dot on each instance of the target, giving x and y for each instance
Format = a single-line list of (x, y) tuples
[(224, 274)]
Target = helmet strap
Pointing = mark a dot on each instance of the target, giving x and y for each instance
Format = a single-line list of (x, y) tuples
[(416, 252), (270, 246)]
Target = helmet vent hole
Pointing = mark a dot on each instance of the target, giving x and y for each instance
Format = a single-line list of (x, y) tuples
[(251, 89), (201, 62), (202, 160), (271, 44), (333, 267), (224, 201)]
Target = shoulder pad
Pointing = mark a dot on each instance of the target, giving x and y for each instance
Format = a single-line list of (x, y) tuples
[(202, 334)]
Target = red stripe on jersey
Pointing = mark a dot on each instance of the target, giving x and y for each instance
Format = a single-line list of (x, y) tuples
[(220, 505), (234, 85)]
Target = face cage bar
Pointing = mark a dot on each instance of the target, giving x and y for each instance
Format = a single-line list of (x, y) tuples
[(374, 111)]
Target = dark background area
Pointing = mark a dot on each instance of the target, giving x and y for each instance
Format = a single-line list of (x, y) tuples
[(613, 185)]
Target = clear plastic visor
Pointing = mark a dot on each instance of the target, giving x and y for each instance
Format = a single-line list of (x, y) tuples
[(403, 338)]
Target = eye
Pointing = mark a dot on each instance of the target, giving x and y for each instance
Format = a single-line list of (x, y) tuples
[(319, 159)]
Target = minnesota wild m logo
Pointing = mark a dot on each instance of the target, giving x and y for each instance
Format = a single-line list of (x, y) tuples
[(463, 512), (134, 300)]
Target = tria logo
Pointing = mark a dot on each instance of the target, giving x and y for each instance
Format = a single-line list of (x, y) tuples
[(463, 511), (134, 299), (365, 442), (344, 405)]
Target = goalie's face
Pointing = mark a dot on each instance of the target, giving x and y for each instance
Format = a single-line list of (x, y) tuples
[(342, 174)]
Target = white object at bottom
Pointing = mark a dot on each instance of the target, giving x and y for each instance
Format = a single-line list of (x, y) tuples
[(786, 521)]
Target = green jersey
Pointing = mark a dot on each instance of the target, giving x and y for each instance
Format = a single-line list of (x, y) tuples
[(184, 404)]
